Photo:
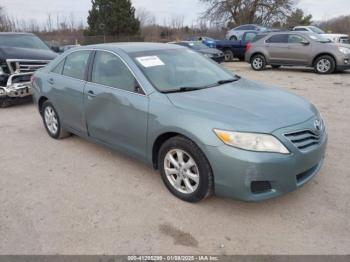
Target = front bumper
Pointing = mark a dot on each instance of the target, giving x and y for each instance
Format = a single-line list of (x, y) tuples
[(236, 171), (18, 86), (219, 59), (343, 62)]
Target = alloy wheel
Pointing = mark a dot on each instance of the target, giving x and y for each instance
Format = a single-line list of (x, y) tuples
[(258, 63), (323, 65), (51, 120), (181, 171)]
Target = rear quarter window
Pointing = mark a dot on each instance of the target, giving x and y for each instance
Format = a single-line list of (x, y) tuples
[(258, 37)]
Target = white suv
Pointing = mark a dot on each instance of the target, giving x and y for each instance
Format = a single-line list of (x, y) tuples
[(337, 38)]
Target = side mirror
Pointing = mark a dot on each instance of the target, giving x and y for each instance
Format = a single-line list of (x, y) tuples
[(304, 42)]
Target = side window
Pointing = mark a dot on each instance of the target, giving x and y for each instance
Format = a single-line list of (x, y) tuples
[(246, 27), (295, 39), (109, 70), (278, 39), (251, 27), (300, 29), (239, 28), (250, 36), (76, 63), (58, 69)]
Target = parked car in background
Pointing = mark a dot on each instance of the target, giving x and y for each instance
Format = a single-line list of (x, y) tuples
[(199, 47), (310, 28), (206, 129), (20, 55), (337, 38), (237, 32), (235, 48), (298, 49), (209, 42)]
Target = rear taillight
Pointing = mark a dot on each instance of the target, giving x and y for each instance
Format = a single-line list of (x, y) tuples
[(249, 46)]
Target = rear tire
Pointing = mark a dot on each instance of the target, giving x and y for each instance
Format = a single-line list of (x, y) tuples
[(233, 38), (258, 62), (185, 170), (4, 103), (52, 122), (228, 55), (325, 64)]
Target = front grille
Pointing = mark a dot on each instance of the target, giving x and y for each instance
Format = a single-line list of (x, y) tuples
[(18, 66), (304, 139)]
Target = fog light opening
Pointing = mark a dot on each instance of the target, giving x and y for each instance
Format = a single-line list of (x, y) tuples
[(259, 187)]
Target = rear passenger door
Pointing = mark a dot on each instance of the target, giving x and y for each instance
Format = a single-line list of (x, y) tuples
[(277, 48), (116, 107), (68, 81)]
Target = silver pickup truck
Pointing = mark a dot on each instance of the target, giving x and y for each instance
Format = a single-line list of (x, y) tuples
[(21, 54)]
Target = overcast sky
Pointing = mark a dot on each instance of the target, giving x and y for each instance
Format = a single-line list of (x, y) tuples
[(162, 9)]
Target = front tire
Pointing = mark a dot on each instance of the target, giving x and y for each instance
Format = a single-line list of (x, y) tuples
[(258, 62), (228, 55), (325, 64), (185, 170), (52, 122)]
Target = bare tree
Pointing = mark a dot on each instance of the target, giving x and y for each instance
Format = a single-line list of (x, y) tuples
[(49, 22), (145, 17), (177, 22), (248, 11), (71, 22)]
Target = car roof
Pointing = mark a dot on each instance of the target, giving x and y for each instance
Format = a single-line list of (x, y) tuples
[(133, 47)]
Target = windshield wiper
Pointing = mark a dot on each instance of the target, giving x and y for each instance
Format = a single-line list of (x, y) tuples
[(193, 88), (183, 89), (221, 82)]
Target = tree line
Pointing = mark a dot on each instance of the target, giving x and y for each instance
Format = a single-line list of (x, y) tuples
[(120, 18)]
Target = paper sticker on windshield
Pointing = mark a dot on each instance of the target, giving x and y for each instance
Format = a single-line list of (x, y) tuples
[(150, 61)]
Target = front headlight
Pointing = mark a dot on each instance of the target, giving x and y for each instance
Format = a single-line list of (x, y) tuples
[(209, 55), (344, 50), (252, 141)]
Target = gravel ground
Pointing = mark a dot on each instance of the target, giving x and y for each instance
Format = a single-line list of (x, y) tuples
[(76, 197)]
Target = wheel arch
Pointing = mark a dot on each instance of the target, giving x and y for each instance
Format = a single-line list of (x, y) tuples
[(163, 137), (257, 53), (322, 54), (41, 101)]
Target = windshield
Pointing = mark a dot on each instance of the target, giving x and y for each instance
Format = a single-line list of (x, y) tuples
[(319, 38), (22, 41), (316, 30), (176, 69)]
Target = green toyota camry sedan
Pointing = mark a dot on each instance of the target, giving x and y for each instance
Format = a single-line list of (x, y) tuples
[(206, 129)]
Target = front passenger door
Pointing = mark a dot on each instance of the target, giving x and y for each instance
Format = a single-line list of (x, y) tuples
[(116, 107), (299, 49)]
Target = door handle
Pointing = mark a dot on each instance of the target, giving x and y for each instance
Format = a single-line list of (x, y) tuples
[(91, 93), (51, 81)]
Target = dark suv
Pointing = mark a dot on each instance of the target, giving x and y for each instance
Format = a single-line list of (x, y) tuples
[(20, 55)]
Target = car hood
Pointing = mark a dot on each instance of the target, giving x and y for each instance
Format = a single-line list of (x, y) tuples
[(26, 53), (246, 106)]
